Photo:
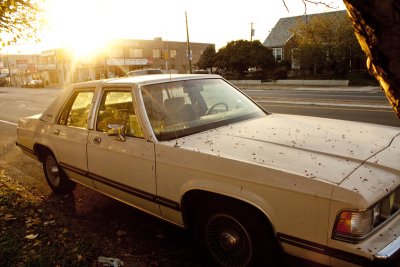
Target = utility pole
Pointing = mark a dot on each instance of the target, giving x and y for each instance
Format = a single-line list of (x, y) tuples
[(167, 56), (8, 67), (251, 32), (37, 65), (189, 54)]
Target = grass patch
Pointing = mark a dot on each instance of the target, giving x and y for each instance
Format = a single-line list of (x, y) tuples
[(33, 235)]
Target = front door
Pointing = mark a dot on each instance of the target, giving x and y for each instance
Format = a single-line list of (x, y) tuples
[(123, 168)]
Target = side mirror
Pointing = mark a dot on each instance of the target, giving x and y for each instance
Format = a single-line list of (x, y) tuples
[(117, 130)]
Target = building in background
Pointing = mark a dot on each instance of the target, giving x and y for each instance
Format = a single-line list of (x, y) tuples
[(126, 55), (285, 43), (59, 67), (18, 69)]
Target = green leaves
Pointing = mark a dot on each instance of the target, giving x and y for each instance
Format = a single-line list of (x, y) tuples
[(241, 55), (207, 58), (19, 19), (327, 42)]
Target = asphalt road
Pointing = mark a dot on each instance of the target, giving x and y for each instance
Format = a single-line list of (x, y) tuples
[(359, 105), (367, 104)]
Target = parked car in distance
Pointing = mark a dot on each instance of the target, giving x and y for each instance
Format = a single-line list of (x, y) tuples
[(36, 84), (195, 151), (143, 72), (201, 71)]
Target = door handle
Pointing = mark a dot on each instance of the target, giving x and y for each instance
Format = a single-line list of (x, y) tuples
[(97, 140), (56, 132)]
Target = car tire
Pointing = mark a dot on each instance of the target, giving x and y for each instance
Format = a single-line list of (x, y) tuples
[(55, 176), (235, 235)]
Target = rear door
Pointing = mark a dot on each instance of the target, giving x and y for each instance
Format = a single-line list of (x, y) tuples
[(124, 169), (70, 133)]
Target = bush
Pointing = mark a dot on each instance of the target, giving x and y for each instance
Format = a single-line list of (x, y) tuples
[(280, 73)]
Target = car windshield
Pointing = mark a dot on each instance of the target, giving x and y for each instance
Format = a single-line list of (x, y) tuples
[(181, 108)]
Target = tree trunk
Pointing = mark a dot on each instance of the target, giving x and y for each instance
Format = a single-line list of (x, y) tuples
[(377, 27)]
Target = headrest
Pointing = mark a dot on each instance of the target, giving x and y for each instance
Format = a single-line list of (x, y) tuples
[(174, 104)]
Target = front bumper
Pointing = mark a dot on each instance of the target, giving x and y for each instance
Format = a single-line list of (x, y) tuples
[(389, 256)]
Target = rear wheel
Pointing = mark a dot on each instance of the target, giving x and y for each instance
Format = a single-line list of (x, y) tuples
[(55, 176), (236, 236)]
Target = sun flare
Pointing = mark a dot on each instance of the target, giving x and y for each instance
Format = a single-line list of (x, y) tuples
[(78, 27)]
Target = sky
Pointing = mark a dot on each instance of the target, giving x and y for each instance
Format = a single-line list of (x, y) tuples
[(84, 25)]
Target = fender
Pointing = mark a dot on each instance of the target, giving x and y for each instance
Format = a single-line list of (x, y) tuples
[(241, 193)]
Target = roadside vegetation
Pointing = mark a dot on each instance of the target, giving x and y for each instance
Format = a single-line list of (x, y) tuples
[(37, 230), (31, 234)]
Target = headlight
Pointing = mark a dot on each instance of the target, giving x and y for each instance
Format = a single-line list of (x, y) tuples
[(354, 225)]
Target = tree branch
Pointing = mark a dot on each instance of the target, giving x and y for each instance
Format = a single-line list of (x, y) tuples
[(305, 2), (318, 3), (284, 3)]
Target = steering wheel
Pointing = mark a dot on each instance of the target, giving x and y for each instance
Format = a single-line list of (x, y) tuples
[(216, 105)]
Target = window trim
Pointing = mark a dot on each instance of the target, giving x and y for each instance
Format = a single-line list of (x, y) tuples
[(173, 53), (66, 102), (134, 51), (275, 50), (158, 50), (116, 89)]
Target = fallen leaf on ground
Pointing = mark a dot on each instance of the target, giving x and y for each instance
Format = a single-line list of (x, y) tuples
[(31, 236), (49, 222), (9, 217), (121, 233)]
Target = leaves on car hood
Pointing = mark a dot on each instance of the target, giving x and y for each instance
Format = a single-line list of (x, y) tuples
[(316, 148)]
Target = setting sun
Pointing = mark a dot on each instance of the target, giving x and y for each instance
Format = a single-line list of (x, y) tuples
[(86, 26), (79, 29)]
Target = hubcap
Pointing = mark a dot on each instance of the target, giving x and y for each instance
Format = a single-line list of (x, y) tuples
[(228, 241), (52, 171)]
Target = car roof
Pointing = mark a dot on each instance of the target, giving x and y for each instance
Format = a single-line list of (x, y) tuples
[(51, 111), (144, 70), (147, 79)]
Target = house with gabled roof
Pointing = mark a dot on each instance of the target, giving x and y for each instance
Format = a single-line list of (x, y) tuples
[(282, 41)]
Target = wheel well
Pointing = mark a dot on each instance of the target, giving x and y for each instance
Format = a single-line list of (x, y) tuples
[(198, 199), (41, 151)]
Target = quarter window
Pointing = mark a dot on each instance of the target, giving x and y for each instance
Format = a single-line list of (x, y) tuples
[(76, 111), (116, 107)]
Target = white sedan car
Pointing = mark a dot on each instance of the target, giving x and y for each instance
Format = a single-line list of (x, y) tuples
[(195, 151)]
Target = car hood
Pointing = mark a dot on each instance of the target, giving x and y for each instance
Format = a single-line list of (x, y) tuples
[(316, 148)]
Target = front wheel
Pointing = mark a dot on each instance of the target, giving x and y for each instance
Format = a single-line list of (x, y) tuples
[(56, 177), (236, 237)]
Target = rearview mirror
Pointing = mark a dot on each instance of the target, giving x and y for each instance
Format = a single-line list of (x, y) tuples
[(117, 130)]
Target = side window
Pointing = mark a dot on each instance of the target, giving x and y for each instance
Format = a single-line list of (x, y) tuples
[(75, 113), (116, 107)]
